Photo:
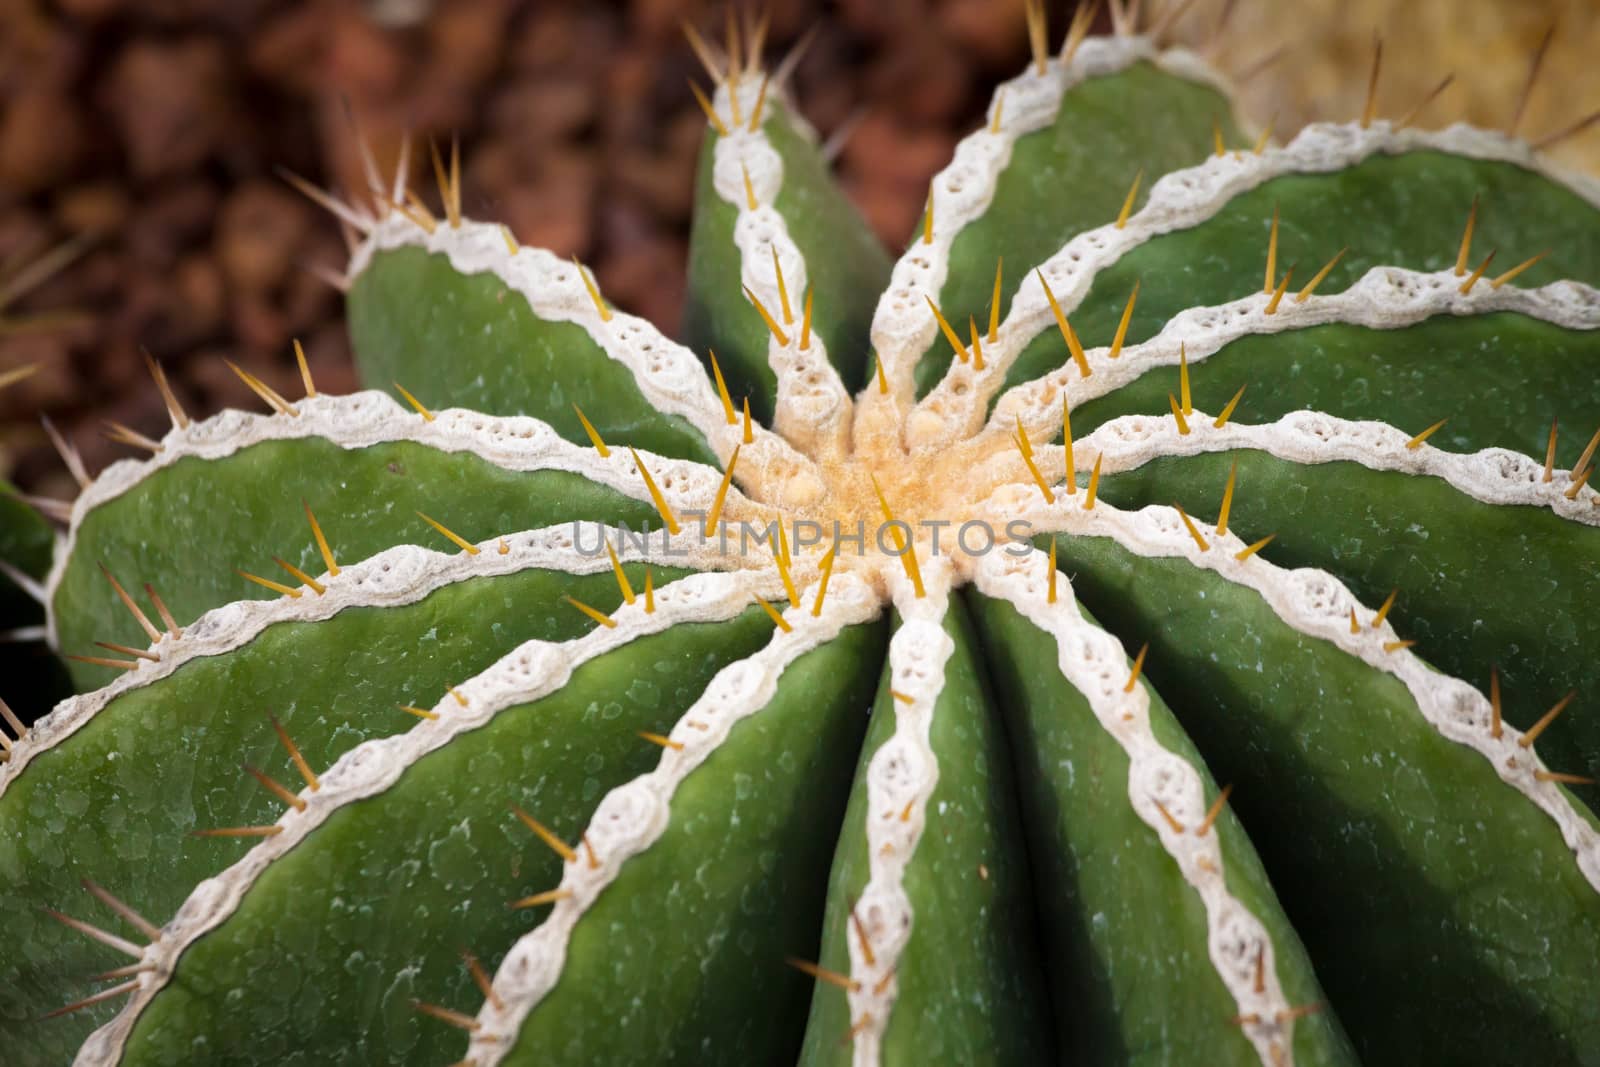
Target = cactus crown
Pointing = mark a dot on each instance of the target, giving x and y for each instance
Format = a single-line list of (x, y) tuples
[(590, 622)]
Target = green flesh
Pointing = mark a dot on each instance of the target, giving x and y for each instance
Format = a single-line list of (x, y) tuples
[(107, 804), (25, 543), (1525, 604), (1073, 175), (970, 989), (34, 679), (846, 266), (374, 908), (185, 528), (681, 960), (469, 341), (1413, 875), (1403, 211), (1130, 969), (1410, 378)]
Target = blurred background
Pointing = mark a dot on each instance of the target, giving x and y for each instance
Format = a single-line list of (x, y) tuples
[(145, 135)]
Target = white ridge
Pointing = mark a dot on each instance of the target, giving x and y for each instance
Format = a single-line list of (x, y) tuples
[(901, 778), (813, 408)]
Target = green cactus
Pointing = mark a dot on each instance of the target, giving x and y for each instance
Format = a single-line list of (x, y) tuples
[(401, 744), (35, 680)]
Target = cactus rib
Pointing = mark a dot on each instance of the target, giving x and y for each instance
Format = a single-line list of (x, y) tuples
[(1440, 366), (396, 576), (359, 420), (1165, 790), (729, 923), (813, 407), (1385, 298), (1317, 604), (534, 669), (632, 817), (1136, 953), (668, 375), (767, 209), (901, 778), (930, 925), (1468, 609)]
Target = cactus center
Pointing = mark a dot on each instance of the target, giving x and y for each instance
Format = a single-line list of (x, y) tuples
[(930, 503)]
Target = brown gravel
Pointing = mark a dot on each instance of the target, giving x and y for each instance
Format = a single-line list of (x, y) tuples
[(157, 125)]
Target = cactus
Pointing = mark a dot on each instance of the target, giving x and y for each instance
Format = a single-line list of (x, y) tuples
[(802, 775), (34, 680)]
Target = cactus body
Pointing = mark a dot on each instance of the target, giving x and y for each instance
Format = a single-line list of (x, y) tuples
[(1090, 780), (26, 543)]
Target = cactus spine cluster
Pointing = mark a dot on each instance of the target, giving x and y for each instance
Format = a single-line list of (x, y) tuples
[(934, 720)]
